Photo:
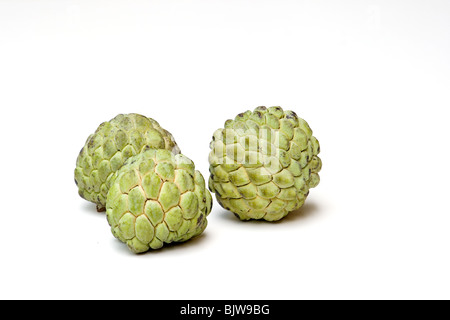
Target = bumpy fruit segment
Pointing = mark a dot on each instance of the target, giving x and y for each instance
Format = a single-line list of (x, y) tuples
[(110, 146), (263, 163), (156, 198)]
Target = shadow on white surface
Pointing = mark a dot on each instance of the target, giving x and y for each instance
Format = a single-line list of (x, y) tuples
[(309, 210), (90, 208)]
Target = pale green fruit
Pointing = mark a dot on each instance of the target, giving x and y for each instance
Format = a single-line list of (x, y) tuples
[(263, 163), (110, 146), (155, 198)]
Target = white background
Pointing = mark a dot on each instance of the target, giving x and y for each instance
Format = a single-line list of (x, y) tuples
[(372, 78)]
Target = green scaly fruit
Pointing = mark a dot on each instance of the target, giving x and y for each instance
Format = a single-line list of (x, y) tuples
[(155, 198), (110, 146), (263, 163)]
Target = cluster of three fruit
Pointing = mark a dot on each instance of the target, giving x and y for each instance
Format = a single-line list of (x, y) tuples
[(262, 165)]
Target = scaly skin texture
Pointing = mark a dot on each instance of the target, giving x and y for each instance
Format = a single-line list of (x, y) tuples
[(156, 198), (110, 146), (263, 163)]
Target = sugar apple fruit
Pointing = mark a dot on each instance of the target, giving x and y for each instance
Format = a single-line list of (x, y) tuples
[(107, 149), (263, 163), (155, 198)]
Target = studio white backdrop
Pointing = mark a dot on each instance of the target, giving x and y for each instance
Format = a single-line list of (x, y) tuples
[(372, 79)]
